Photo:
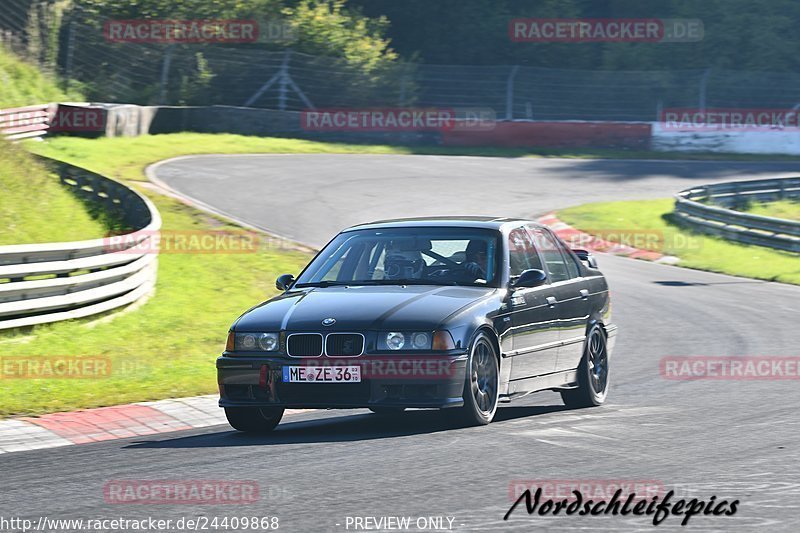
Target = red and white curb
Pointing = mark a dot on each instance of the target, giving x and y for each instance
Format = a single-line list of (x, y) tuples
[(109, 423), (579, 239)]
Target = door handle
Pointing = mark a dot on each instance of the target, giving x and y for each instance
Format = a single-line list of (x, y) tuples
[(584, 293), (551, 301)]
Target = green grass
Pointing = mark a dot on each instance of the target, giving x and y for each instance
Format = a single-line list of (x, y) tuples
[(22, 84), (648, 221), (36, 208), (168, 346), (787, 209), (122, 156)]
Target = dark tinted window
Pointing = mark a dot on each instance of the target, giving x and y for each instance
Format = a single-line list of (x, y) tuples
[(522, 252), (551, 252), (572, 265), (423, 255)]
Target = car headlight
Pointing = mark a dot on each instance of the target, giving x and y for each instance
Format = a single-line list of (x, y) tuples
[(408, 340), (420, 341), (395, 340), (256, 342)]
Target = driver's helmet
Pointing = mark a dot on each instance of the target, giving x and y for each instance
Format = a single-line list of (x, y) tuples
[(403, 264), (476, 250)]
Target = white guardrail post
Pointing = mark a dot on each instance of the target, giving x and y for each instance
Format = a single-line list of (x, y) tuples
[(42, 283), (714, 215)]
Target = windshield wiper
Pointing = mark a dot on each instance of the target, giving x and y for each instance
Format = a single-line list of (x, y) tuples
[(412, 282), (407, 281), (323, 284)]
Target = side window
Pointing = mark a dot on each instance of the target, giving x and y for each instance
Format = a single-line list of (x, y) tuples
[(521, 252), (572, 265), (551, 252), (336, 272)]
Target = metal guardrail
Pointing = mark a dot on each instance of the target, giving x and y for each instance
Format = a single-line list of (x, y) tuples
[(711, 209), (42, 283), (26, 122)]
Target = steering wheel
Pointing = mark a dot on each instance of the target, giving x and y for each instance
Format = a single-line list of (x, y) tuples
[(443, 271)]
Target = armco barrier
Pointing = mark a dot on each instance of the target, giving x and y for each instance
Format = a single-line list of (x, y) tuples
[(25, 122), (138, 120), (42, 283), (115, 120), (695, 209)]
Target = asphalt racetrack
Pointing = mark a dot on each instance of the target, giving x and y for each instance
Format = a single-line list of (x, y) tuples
[(729, 439)]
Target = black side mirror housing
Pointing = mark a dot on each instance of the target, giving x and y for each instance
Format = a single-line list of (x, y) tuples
[(284, 282), (587, 257), (533, 277)]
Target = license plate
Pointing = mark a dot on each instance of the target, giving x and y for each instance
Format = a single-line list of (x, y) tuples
[(322, 374)]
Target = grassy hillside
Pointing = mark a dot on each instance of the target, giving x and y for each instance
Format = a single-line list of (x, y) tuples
[(35, 207), (702, 252), (22, 84), (167, 347)]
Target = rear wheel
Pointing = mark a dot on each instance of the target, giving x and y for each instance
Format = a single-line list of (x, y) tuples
[(254, 419), (593, 380), (482, 382)]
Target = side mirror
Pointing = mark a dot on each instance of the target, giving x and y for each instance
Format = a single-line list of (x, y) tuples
[(586, 257), (532, 277), (284, 282)]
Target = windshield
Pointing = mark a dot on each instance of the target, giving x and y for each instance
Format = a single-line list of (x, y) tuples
[(424, 256)]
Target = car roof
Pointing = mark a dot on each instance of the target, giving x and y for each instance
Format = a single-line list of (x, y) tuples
[(496, 223)]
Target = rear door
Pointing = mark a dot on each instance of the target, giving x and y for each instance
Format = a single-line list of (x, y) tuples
[(571, 291), (534, 315)]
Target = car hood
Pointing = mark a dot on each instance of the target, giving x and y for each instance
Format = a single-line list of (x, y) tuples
[(361, 308)]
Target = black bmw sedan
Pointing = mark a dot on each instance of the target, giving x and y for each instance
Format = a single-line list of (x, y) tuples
[(442, 312)]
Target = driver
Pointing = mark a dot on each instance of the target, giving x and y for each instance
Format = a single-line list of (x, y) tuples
[(475, 261)]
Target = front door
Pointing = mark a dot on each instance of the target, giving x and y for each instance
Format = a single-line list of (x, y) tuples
[(572, 294), (534, 313)]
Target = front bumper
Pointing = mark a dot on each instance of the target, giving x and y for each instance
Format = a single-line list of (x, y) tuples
[(416, 380)]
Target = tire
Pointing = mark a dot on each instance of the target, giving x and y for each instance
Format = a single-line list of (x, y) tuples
[(593, 373), (481, 383), (254, 419), (387, 410)]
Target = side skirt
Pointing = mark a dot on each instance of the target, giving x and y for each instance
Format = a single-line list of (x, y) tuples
[(567, 379)]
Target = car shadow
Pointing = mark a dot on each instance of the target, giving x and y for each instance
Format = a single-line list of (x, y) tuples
[(355, 427), (624, 170), (677, 283)]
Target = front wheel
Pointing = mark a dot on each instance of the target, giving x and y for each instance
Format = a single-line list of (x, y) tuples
[(482, 382), (254, 419), (593, 381)]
